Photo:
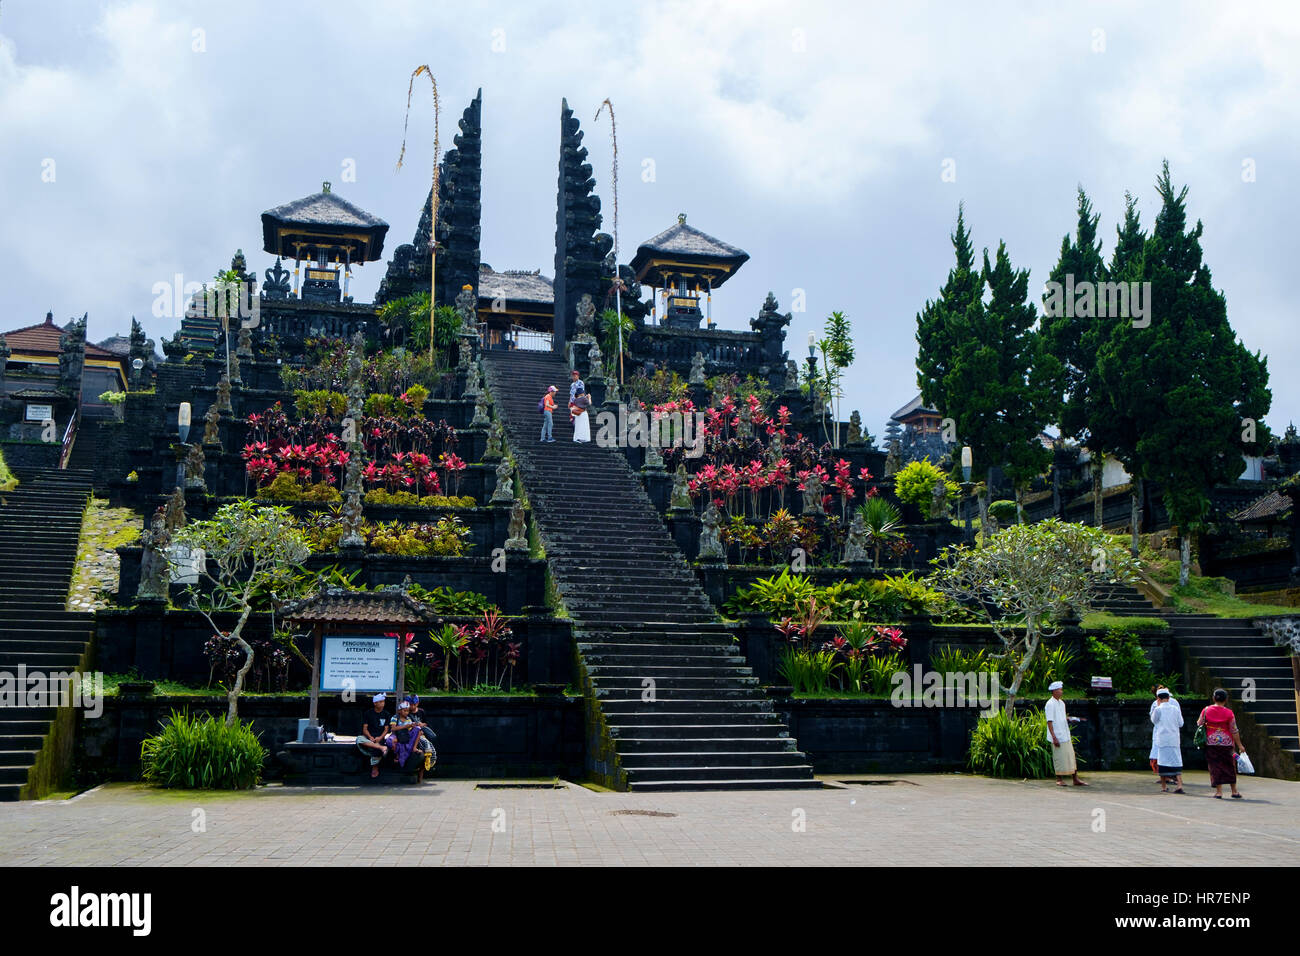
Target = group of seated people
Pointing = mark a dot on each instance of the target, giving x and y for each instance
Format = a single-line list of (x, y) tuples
[(403, 734)]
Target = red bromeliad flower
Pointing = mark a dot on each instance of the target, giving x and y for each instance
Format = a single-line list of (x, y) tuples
[(255, 449), (893, 635)]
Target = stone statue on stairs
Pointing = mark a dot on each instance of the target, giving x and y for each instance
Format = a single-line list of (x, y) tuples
[(211, 420), (195, 465), (174, 511), (812, 495), (597, 364), (586, 321), (504, 492), (697, 369), (855, 548), (518, 540), (712, 549), (155, 568), (495, 443), (680, 499)]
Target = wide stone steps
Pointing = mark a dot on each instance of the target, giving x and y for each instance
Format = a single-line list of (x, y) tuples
[(638, 609), (676, 749), (700, 730), (40, 526)]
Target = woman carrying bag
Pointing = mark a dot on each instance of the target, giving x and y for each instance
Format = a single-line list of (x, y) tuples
[(1222, 743)]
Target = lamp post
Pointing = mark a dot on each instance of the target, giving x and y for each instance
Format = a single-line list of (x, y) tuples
[(966, 486), (183, 432)]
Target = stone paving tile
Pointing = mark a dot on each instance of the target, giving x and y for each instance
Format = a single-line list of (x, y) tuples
[(939, 819)]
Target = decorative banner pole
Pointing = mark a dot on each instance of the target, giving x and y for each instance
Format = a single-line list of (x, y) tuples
[(433, 192), (618, 280)]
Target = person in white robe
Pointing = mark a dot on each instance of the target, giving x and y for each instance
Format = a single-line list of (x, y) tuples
[(1064, 763), (1167, 719), (580, 409), (1154, 750)]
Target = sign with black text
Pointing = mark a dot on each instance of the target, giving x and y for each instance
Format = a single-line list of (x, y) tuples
[(358, 663)]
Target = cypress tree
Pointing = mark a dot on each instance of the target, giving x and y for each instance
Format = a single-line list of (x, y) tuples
[(1071, 339), (1193, 380)]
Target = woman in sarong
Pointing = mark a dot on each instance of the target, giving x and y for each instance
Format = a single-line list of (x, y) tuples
[(1222, 743)]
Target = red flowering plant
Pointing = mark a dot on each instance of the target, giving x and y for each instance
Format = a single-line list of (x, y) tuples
[(452, 465)]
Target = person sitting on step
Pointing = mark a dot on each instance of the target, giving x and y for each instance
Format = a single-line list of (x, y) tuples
[(374, 726), (406, 739)]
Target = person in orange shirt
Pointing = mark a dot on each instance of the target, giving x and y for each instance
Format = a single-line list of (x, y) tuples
[(548, 408)]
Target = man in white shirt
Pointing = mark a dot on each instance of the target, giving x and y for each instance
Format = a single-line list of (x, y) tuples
[(1058, 733)]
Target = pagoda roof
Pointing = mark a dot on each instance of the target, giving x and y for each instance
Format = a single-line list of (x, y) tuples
[(913, 409), (682, 245), (515, 285), (342, 606), (43, 339), (323, 220)]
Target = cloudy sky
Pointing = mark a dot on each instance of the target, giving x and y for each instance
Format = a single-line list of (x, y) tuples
[(142, 140)]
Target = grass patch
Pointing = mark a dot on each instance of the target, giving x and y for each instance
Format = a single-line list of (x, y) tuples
[(1103, 620), (8, 480)]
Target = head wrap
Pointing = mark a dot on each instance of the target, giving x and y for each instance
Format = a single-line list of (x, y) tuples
[(1056, 685)]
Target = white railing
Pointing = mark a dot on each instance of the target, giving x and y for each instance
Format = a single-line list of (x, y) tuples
[(530, 340)]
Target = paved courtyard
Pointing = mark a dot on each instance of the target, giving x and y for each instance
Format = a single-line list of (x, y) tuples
[(924, 819)]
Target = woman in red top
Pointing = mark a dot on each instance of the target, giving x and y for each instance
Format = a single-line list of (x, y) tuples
[(1222, 742)]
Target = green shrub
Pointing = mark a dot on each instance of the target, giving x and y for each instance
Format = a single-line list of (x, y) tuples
[(777, 596), (914, 597), (309, 404), (809, 672), (202, 753), (950, 660), (1117, 654), (915, 481), (1006, 745), (287, 487), (1003, 511), (881, 671)]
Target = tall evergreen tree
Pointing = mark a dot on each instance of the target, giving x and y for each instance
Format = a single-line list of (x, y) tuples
[(1070, 340), (1121, 402), (979, 364), (934, 323), (1200, 382)]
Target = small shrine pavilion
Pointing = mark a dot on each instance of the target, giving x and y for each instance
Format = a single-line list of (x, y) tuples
[(330, 234), (683, 265)]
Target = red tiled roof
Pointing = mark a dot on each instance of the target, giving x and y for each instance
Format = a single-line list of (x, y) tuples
[(44, 338)]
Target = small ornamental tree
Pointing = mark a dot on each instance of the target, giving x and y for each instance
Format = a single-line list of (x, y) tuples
[(250, 550), (1028, 579), (915, 481), (837, 355)]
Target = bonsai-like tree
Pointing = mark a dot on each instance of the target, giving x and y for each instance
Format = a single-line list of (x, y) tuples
[(250, 550), (1028, 580), (915, 483)]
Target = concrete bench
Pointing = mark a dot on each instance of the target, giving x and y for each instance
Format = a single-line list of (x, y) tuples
[(338, 762)]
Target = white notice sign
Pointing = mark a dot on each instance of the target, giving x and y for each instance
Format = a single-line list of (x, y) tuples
[(349, 662)]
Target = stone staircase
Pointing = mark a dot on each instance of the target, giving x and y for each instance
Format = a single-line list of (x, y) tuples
[(672, 705), (40, 523), (1232, 651)]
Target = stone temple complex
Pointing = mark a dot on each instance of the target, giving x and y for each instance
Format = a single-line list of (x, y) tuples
[(633, 610)]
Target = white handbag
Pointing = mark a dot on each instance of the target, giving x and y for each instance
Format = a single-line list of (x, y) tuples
[(1243, 763)]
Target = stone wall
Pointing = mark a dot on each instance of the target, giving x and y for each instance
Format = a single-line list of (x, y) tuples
[(477, 736)]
